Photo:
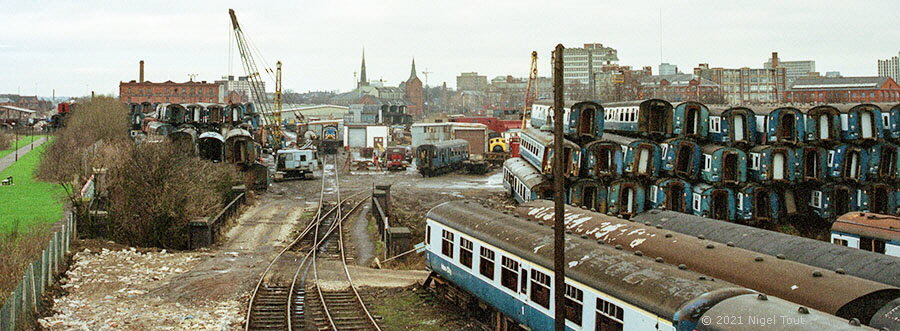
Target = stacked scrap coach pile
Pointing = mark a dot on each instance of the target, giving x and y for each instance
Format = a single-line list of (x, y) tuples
[(738, 164)]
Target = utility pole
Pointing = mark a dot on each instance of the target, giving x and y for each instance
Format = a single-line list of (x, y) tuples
[(559, 254)]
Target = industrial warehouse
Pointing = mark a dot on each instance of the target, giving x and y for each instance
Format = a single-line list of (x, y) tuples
[(161, 179)]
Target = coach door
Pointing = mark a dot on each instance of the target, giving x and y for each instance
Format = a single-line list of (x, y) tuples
[(738, 127), (719, 205), (888, 164), (730, 167), (657, 121), (586, 122), (604, 161), (643, 161), (879, 199), (692, 123), (589, 196), (866, 124), (810, 163), (852, 165), (675, 197), (824, 127), (762, 205), (841, 200), (786, 127), (626, 200), (684, 159), (779, 166)]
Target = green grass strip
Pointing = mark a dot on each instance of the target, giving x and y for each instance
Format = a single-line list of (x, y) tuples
[(28, 201)]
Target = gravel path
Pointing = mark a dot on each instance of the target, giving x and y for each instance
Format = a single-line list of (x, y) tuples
[(365, 250), (8, 160)]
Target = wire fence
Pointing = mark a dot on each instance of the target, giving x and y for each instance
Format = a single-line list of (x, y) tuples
[(22, 304)]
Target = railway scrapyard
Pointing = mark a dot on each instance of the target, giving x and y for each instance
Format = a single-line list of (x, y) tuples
[(490, 166)]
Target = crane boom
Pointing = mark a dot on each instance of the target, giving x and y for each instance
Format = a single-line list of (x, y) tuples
[(276, 116), (259, 95), (530, 93)]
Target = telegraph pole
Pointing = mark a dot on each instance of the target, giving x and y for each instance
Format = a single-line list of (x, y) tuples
[(559, 263)]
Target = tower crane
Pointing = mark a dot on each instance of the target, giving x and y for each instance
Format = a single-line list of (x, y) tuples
[(531, 90)]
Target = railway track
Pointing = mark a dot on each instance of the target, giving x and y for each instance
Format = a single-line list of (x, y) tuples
[(279, 301)]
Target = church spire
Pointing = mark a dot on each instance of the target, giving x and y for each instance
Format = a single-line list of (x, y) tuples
[(362, 71), (412, 73)]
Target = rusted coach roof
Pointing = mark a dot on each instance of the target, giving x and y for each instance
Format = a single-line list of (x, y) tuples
[(448, 143), (636, 103), (885, 227), (621, 140), (789, 316), (546, 138), (820, 289), (868, 265), (524, 171), (657, 287), (719, 109)]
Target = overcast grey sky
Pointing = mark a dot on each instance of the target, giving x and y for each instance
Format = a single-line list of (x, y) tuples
[(79, 46)]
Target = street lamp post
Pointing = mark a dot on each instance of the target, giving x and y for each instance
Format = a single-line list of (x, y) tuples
[(16, 135)]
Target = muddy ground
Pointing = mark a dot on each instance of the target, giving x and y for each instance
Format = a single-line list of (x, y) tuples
[(114, 287)]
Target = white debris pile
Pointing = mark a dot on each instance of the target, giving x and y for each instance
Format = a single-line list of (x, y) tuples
[(115, 290)]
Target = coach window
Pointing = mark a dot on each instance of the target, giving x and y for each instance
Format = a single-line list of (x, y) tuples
[(509, 274), (447, 244), (486, 267), (428, 235), (574, 299), (465, 252), (842, 242), (540, 288), (609, 316)]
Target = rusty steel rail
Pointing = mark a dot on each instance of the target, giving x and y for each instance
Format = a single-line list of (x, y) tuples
[(314, 223), (340, 217)]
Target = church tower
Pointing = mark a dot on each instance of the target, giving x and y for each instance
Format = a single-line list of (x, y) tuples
[(362, 71), (415, 94)]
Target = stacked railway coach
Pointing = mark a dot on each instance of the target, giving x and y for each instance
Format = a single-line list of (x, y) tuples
[(752, 165), (499, 266), (214, 132)]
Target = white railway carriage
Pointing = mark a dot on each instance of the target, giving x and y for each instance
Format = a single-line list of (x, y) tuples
[(524, 182), (537, 148), (499, 267)]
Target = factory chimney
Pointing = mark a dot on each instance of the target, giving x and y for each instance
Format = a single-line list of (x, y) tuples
[(141, 78), (774, 60)]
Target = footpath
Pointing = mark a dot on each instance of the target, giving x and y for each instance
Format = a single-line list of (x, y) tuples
[(8, 160)]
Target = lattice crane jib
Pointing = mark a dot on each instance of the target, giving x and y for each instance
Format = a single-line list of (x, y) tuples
[(531, 90)]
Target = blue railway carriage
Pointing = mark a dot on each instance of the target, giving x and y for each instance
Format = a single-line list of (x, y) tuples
[(780, 125), (524, 182), (441, 157), (504, 263), (757, 204), (883, 162), (848, 163), (671, 194), (537, 148), (823, 125), (652, 117), (713, 202), (723, 164), (641, 158), (861, 123), (890, 120), (879, 198), (627, 197), (602, 158), (831, 200), (590, 194), (585, 121), (813, 163), (773, 164), (542, 114), (732, 125), (681, 158), (691, 119)]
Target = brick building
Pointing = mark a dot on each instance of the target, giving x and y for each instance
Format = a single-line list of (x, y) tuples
[(746, 85), (471, 81), (680, 87), (141, 91), (414, 93), (25, 101), (843, 89)]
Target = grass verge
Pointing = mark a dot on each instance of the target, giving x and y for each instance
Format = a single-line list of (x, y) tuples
[(28, 201), (23, 141)]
